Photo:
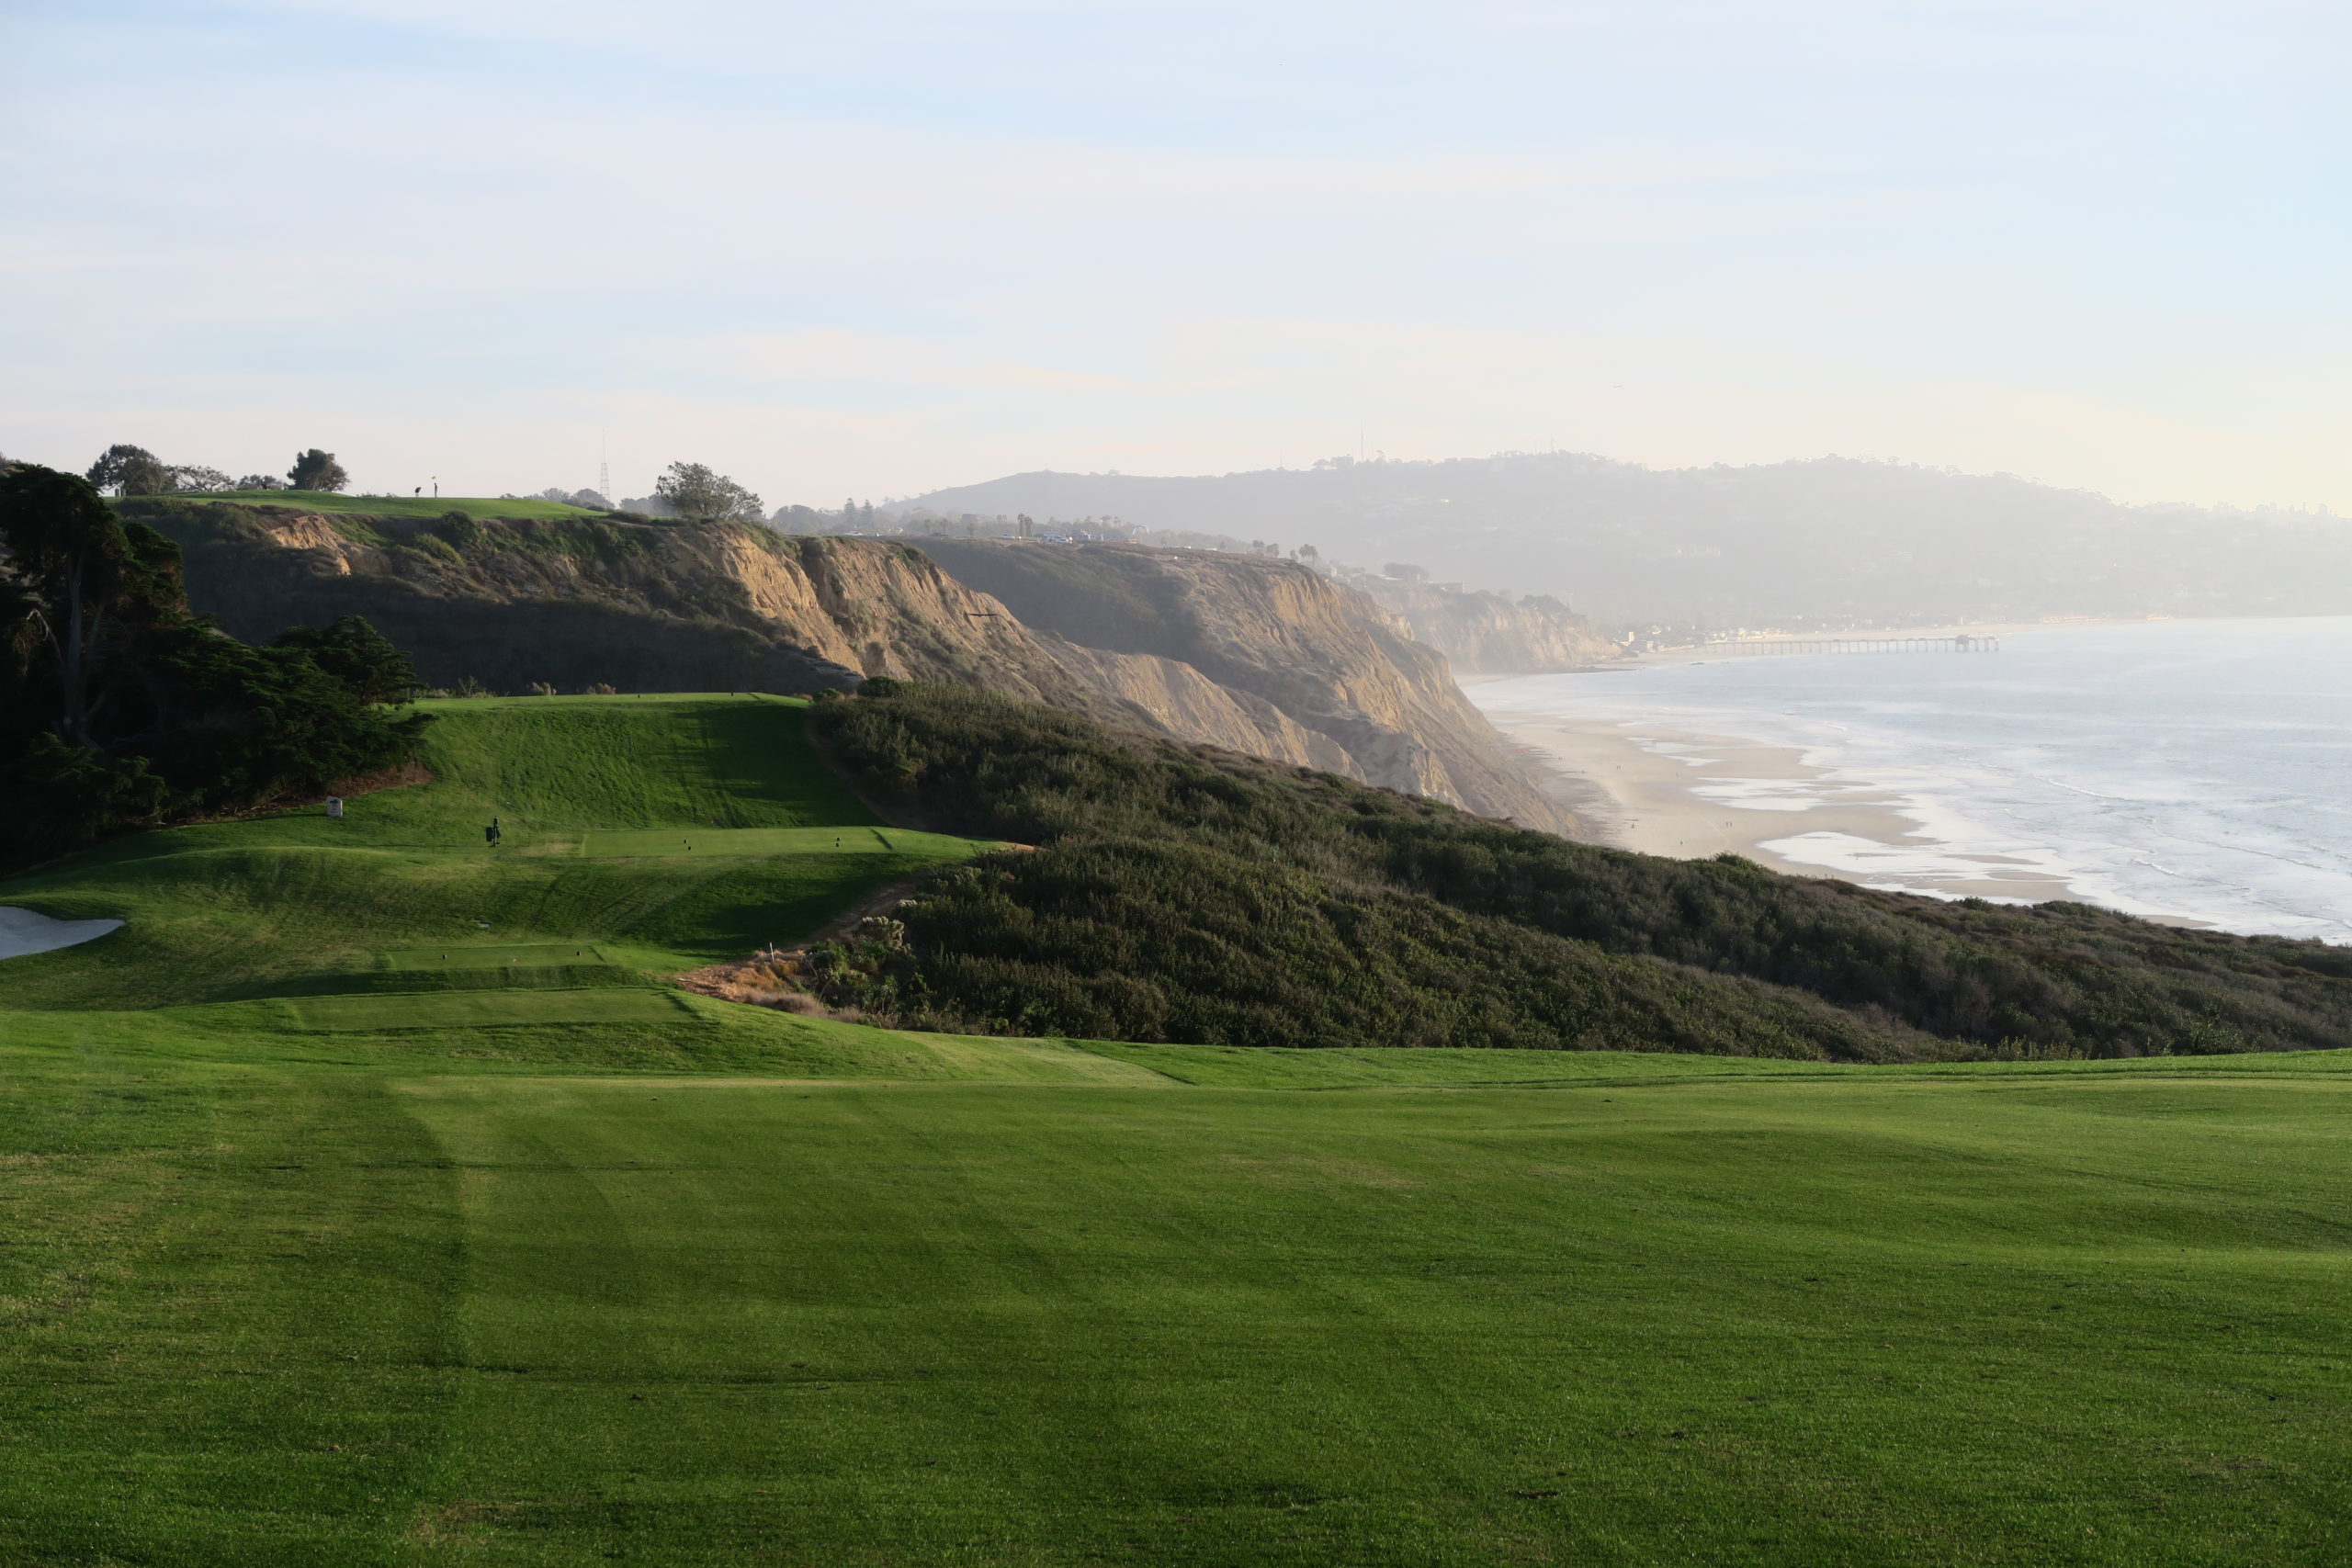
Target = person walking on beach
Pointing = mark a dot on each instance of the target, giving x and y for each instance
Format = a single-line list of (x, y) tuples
[(490, 834)]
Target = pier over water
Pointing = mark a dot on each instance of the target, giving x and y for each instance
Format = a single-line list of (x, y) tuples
[(1964, 643)]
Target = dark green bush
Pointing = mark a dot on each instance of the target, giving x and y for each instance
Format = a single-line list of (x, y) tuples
[(1177, 894), (119, 709)]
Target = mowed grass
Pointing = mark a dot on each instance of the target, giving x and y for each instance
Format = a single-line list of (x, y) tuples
[(412, 1313), (473, 1009), (1238, 1066), (395, 505), (300, 902), (636, 841), (1242, 1066), (456, 956)]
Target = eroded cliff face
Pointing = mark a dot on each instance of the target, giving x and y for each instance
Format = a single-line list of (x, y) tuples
[(1256, 656), (1336, 665), (642, 607), (1176, 699), (1487, 634)]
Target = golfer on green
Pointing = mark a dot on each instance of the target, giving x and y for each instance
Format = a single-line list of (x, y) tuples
[(490, 834)]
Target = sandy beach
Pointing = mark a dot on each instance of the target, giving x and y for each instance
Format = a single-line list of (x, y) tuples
[(1667, 790), (1664, 791)]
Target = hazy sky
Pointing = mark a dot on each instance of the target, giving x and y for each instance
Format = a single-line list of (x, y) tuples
[(873, 248)]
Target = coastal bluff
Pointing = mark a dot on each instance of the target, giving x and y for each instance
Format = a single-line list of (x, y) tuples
[(1490, 634), (1251, 655), (1373, 702)]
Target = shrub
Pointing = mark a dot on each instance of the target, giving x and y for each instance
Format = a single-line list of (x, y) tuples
[(1181, 894)]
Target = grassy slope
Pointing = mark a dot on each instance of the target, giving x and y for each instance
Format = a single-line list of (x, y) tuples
[(395, 505), (298, 902), (507, 1277)]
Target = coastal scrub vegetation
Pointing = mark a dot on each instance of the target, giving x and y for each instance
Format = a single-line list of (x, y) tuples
[(120, 709), (1181, 895)]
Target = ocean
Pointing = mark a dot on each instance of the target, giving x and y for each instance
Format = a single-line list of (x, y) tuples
[(2196, 770)]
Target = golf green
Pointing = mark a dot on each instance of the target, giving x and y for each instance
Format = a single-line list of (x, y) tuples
[(296, 902)]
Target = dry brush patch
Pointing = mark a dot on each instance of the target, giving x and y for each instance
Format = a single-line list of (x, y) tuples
[(778, 978)]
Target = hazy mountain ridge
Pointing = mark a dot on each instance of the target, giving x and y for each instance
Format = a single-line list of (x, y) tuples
[(1825, 541)]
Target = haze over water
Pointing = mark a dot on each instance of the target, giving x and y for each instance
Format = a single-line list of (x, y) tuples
[(2185, 769)]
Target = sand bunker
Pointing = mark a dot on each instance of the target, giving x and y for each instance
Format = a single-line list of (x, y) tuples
[(23, 931)]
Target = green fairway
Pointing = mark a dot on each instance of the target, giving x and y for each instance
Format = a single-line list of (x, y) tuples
[(300, 903), (307, 1313), (475, 1009), (1238, 1066), (1242, 1066), (395, 505), (630, 842), (457, 955)]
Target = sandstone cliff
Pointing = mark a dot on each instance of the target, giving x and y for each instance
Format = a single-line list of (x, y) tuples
[(639, 607), (1174, 698), (1379, 705), (1256, 656), (1489, 634)]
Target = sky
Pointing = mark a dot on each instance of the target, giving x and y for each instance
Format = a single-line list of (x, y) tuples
[(870, 250)]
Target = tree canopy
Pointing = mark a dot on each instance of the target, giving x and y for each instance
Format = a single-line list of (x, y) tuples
[(315, 469), (119, 709), (131, 470), (700, 494)]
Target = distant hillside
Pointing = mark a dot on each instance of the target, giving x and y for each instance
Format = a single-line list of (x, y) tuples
[(1491, 633), (1830, 541)]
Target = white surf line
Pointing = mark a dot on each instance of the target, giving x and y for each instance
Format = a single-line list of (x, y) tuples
[(24, 931)]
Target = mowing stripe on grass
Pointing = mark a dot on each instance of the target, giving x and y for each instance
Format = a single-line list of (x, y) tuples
[(469, 1009), (1753, 1324), (618, 844), (983, 1057)]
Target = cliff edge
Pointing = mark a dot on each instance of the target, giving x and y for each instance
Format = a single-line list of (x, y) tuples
[(1379, 705), (1284, 667), (640, 606), (1490, 634)]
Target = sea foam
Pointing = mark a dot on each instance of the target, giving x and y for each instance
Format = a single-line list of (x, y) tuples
[(2184, 769)]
